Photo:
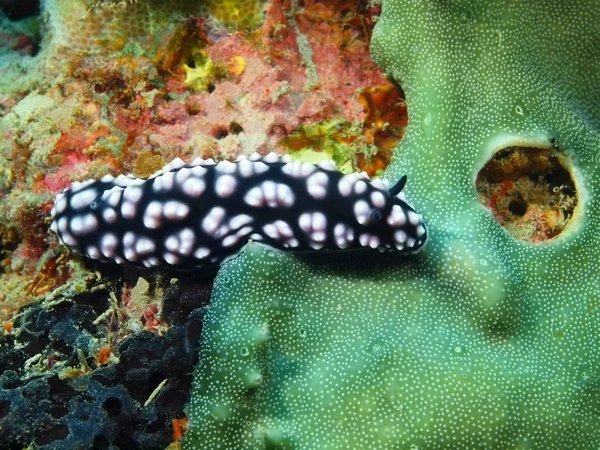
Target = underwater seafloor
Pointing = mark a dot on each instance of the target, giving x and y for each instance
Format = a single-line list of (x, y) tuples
[(488, 338)]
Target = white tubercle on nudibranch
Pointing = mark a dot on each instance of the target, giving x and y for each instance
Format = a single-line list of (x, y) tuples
[(192, 216)]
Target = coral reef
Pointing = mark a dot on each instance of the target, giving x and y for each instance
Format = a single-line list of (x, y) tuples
[(194, 90), (105, 26), (19, 43), (90, 26), (481, 341)]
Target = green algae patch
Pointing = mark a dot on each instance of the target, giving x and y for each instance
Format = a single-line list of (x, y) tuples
[(201, 73), (481, 341), (334, 139)]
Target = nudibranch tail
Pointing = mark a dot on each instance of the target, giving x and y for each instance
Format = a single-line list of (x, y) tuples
[(192, 216)]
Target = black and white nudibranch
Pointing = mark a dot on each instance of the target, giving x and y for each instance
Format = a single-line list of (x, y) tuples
[(192, 216)]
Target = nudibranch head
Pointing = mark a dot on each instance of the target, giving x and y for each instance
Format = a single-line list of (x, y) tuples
[(378, 218), (191, 216)]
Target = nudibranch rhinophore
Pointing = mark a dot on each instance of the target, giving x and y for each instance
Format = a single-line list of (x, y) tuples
[(194, 216)]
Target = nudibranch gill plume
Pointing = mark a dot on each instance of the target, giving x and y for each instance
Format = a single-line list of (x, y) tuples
[(194, 216)]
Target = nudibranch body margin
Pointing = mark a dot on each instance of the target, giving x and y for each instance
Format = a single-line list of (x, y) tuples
[(197, 215)]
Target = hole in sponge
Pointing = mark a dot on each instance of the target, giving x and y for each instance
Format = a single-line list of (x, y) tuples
[(235, 128), (112, 406), (220, 132), (529, 191), (518, 207), (58, 432), (4, 408)]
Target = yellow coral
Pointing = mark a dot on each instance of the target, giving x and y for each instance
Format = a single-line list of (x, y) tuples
[(237, 65), (242, 15), (202, 75), (88, 26), (100, 26)]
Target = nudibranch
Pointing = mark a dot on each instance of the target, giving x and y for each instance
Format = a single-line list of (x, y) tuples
[(194, 216)]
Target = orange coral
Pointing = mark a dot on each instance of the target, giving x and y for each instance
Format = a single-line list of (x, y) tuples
[(103, 355), (179, 426)]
